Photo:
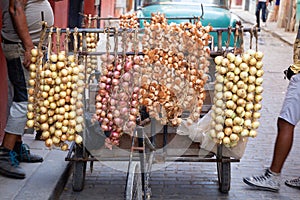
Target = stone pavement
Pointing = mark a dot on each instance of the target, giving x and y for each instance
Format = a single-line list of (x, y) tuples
[(46, 180), (43, 180)]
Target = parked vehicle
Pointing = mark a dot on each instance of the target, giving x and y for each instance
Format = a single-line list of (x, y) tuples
[(213, 12)]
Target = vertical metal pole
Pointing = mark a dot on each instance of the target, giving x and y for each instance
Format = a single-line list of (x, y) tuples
[(153, 131), (165, 136), (142, 155)]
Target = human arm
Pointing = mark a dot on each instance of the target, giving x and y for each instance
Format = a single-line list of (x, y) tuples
[(17, 12)]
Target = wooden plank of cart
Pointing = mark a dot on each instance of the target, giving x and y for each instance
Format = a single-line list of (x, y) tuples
[(144, 148)]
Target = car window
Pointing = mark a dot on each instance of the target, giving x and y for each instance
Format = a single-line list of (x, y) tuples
[(216, 2)]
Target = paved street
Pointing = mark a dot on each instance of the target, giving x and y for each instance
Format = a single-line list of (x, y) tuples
[(199, 180)]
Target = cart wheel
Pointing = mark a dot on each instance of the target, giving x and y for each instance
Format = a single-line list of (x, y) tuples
[(133, 188), (79, 169), (224, 176)]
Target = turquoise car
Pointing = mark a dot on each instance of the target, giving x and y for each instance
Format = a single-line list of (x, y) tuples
[(213, 12)]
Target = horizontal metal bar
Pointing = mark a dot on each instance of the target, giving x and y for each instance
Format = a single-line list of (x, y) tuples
[(168, 159), (197, 159), (149, 18), (119, 30)]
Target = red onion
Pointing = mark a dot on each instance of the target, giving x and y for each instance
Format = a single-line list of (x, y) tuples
[(98, 111), (103, 78), (109, 74), (113, 102), (125, 85), (123, 104), (130, 124), (104, 107), (136, 67), (115, 134), (109, 116), (104, 127), (108, 80), (116, 113), (119, 129), (103, 57), (98, 98), (136, 59), (128, 66), (126, 76), (108, 87), (110, 58), (132, 118), (133, 111), (135, 96), (103, 114), (98, 105), (122, 96), (115, 81), (124, 110), (104, 72), (105, 120), (118, 121), (102, 92), (134, 103), (117, 74), (104, 100), (110, 67), (136, 90), (102, 85), (119, 68), (112, 108), (115, 142)]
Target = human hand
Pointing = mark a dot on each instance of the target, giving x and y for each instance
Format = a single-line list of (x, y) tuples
[(27, 58)]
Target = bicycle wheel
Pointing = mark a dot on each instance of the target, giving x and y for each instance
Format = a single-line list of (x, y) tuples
[(133, 190)]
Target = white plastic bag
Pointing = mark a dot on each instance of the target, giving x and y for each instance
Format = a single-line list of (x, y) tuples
[(196, 131), (199, 132)]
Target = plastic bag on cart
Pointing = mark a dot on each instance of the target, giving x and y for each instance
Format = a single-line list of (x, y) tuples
[(199, 132), (94, 137), (196, 131)]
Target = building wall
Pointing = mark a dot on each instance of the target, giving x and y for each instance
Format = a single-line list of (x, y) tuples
[(3, 89)]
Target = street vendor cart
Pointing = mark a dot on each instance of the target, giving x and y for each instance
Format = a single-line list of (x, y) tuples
[(143, 92)]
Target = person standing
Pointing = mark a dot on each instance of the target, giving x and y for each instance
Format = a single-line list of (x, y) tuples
[(274, 16), (21, 27), (288, 118), (261, 7)]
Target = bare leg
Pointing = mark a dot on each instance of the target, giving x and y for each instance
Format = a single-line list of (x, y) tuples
[(9, 140), (283, 145)]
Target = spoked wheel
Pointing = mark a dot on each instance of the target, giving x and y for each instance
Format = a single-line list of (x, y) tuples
[(79, 169), (224, 176), (133, 190)]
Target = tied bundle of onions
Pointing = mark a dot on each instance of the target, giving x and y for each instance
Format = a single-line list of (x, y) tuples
[(238, 95), (117, 99), (91, 62), (129, 20), (174, 69), (58, 99)]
